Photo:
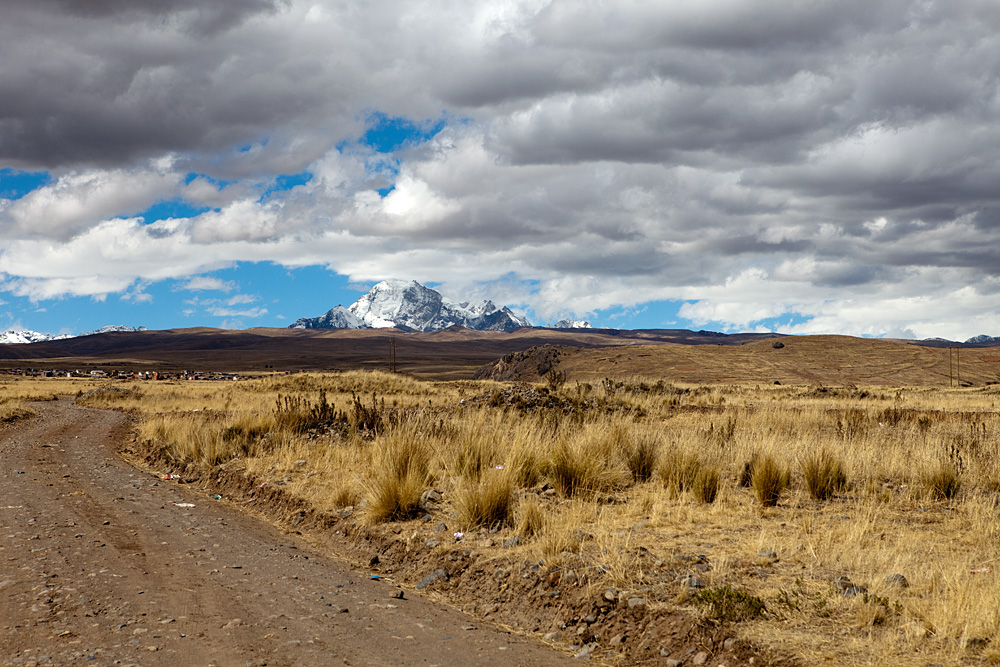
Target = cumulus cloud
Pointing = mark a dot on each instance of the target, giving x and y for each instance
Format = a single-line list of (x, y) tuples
[(828, 164)]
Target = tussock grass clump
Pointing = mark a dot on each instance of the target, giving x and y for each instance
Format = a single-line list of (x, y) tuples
[(678, 470), (943, 481), (487, 501), (531, 518), (208, 442), (705, 487), (345, 495), (400, 462), (588, 461), (768, 480), (570, 473), (641, 455), (824, 474), (477, 451)]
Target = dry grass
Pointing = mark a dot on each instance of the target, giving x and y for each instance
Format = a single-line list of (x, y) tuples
[(824, 474), (922, 499), (487, 502)]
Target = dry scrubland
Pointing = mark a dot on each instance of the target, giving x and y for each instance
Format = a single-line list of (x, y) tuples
[(805, 502)]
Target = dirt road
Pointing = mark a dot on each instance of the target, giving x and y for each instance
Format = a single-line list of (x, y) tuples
[(101, 564)]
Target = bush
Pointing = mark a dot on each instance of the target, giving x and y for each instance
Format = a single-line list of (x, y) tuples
[(824, 475), (768, 480)]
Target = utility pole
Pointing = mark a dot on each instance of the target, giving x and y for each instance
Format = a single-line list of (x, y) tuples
[(954, 367), (392, 355)]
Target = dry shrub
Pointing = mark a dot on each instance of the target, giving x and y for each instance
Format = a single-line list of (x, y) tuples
[(854, 423), (705, 486), (487, 501), (400, 463), (728, 604), (943, 481), (768, 479), (824, 474)]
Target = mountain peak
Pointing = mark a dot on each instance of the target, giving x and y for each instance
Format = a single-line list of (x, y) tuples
[(406, 304)]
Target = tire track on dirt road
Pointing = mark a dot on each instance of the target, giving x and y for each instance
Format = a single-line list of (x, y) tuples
[(103, 564)]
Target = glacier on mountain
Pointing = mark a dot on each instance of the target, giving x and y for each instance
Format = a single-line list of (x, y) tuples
[(408, 305)]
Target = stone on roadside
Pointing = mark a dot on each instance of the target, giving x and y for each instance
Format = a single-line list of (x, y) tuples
[(437, 575)]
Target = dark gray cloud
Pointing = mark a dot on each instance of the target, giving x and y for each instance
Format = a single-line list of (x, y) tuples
[(751, 158)]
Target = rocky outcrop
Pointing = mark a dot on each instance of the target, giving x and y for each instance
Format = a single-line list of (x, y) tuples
[(530, 365)]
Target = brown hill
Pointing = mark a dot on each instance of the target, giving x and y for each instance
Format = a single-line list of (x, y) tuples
[(825, 360), (457, 353), (449, 354)]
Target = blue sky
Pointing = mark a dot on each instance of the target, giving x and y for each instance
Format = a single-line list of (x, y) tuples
[(736, 166)]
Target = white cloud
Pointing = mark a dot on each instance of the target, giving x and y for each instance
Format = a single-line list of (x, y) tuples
[(208, 283)]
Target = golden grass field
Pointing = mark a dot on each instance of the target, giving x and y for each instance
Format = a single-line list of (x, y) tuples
[(795, 494)]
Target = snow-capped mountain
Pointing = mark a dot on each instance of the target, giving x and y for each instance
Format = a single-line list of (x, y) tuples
[(335, 318), (23, 336), (410, 305), (983, 338), (571, 324)]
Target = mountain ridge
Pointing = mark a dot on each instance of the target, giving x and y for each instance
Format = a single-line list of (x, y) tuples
[(410, 306), (26, 336)]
